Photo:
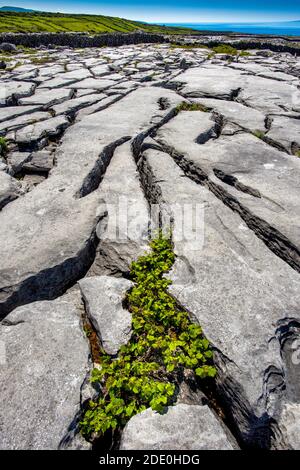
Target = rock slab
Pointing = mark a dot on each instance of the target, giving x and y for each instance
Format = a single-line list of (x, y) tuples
[(188, 427), (45, 363), (103, 296)]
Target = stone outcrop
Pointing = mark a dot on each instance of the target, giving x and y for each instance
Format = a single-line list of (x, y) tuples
[(103, 297), (99, 148), (45, 365), (188, 427)]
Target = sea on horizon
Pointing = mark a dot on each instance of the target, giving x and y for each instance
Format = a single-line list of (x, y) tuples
[(289, 28)]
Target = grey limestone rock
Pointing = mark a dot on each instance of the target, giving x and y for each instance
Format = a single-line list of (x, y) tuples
[(181, 427), (104, 296), (10, 189), (46, 361)]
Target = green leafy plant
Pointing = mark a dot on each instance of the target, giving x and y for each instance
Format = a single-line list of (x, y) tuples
[(3, 146), (164, 342)]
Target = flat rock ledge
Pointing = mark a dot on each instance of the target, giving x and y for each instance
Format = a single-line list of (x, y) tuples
[(188, 427), (45, 363), (103, 297)]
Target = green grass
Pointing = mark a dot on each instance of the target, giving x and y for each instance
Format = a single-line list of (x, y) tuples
[(163, 344), (42, 60), (259, 134), (225, 49), (184, 106), (26, 50), (6, 57), (244, 54), (60, 22), (298, 153)]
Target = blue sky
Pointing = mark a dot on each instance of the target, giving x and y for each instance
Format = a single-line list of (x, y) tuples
[(189, 11)]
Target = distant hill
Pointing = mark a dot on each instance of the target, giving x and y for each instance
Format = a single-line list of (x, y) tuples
[(37, 21), (16, 9)]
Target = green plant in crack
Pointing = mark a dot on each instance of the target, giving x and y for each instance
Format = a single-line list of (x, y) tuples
[(88, 331), (46, 59), (185, 106), (244, 54), (164, 342), (259, 134), (3, 146)]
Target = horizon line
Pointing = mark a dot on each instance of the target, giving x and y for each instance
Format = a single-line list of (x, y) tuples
[(158, 22), (227, 22)]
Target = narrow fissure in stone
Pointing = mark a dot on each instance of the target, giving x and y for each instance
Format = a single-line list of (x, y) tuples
[(233, 181), (94, 178), (53, 282), (188, 388), (273, 239)]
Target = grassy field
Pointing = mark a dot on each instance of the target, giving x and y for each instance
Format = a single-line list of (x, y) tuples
[(60, 22)]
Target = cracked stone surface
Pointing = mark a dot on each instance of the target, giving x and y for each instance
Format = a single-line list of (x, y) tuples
[(233, 284), (94, 137), (13, 90), (46, 362), (46, 98), (32, 134), (285, 131), (188, 427), (253, 162), (125, 204), (103, 296), (10, 189)]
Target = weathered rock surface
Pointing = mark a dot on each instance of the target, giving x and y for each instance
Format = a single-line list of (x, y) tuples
[(187, 427), (94, 83), (46, 362), (124, 237), (59, 218), (103, 297), (246, 168), (16, 160), (12, 90), (33, 134), (243, 116), (286, 132), (40, 161), (114, 145), (47, 98), (210, 82), (7, 47), (10, 189), (224, 256), (21, 121), (289, 425), (11, 112), (77, 103)]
